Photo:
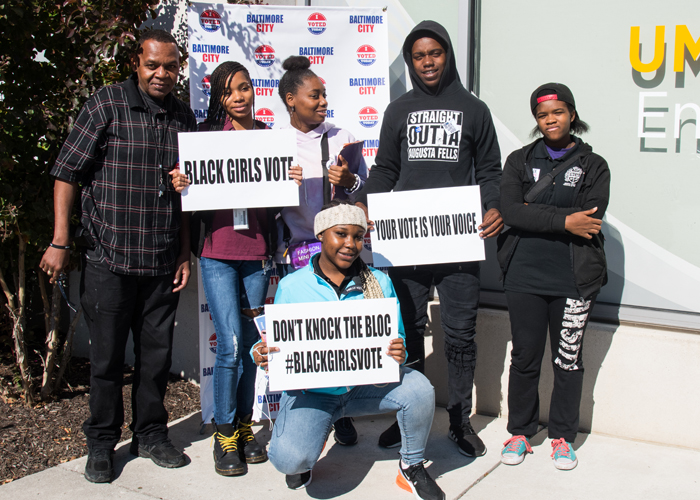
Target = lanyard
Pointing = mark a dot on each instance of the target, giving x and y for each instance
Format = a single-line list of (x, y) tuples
[(160, 151)]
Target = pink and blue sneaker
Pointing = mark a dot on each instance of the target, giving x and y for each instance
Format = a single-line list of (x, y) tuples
[(514, 450), (563, 455)]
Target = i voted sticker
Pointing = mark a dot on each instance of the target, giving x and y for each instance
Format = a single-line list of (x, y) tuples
[(450, 127), (536, 174)]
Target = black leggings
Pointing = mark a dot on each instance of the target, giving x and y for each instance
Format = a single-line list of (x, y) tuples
[(530, 317)]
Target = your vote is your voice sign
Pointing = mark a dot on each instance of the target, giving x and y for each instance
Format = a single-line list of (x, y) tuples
[(331, 344), (427, 226), (242, 169)]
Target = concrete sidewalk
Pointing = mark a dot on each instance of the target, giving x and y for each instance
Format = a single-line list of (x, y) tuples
[(608, 468)]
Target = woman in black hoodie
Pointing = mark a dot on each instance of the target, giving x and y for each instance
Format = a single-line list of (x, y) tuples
[(554, 193)]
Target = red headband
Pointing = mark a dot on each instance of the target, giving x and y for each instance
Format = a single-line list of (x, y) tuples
[(550, 97)]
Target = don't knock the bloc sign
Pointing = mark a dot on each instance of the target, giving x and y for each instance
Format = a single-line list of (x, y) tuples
[(245, 169), (332, 344)]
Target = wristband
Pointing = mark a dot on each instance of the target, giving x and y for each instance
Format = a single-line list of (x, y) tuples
[(60, 247), (354, 186)]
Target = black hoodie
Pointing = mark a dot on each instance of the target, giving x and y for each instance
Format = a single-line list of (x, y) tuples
[(434, 138)]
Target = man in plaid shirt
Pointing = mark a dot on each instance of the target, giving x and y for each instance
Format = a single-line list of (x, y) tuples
[(118, 158)]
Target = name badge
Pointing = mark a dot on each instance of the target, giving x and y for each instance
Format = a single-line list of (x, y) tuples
[(240, 219)]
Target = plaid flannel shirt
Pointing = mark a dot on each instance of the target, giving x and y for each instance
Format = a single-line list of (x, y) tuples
[(115, 152)]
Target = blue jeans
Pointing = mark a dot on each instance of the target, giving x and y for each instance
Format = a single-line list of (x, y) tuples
[(231, 286), (305, 419)]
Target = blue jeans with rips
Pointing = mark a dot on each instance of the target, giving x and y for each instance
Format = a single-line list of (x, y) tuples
[(230, 287), (305, 419)]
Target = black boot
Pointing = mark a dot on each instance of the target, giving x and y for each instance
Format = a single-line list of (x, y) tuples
[(227, 460), (252, 451)]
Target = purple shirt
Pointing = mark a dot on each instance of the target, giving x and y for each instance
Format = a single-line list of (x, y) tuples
[(556, 153)]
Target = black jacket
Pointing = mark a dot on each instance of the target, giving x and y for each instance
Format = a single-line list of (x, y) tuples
[(435, 138), (592, 190)]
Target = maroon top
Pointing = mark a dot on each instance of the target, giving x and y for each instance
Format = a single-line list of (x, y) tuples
[(227, 244)]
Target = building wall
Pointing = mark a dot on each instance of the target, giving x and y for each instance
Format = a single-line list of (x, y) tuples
[(639, 382)]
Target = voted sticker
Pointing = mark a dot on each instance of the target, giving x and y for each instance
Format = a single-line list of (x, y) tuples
[(450, 127)]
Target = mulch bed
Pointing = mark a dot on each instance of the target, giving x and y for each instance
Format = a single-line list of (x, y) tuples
[(33, 439)]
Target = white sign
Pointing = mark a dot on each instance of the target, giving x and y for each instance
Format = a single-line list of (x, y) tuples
[(332, 344), (428, 226), (245, 169)]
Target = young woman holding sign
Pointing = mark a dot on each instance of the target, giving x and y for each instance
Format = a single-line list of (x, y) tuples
[(322, 177), (554, 193), (305, 417), (235, 264)]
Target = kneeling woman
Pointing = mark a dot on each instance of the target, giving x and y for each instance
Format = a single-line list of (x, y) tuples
[(305, 417), (554, 193)]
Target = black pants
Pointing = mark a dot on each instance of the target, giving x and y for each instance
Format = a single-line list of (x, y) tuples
[(530, 317), (458, 287), (113, 305)]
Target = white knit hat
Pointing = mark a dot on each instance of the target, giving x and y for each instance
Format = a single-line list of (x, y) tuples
[(340, 214)]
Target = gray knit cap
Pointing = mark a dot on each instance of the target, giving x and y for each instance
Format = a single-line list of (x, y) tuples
[(340, 214)]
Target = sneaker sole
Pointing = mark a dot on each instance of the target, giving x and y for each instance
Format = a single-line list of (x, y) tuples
[(515, 460), (570, 466), (473, 455), (160, 463), (342, 443), (311, 476), (406, 485), (389, 446), (99, 479)]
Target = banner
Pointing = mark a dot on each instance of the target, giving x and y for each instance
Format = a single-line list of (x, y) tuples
[(347, 47), (246, 169), (332, 344), (207, 355), (429, 226), (348, 50)]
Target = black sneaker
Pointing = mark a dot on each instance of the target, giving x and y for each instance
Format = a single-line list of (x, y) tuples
[(298, 481), (99, 467), (163, 453), (468, 442), (391, 438), (417, 480), (252, 451), (227, 459), (345, 433)]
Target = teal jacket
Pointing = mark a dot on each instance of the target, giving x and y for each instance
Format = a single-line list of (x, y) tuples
[(306, 286)]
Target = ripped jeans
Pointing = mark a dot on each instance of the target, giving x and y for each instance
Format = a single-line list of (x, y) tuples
[(458, 286), (235, 291)]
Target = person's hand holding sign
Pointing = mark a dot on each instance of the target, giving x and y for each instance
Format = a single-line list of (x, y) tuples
[(340, 175), (397, 350), (260, 354), (179, 180), (296, 173)]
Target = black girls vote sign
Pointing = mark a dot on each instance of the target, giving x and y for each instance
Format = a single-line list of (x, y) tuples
[(245, 169)]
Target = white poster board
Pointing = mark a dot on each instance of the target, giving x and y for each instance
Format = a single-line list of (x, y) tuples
[(247, 169), (332, 344), (428, 226)]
